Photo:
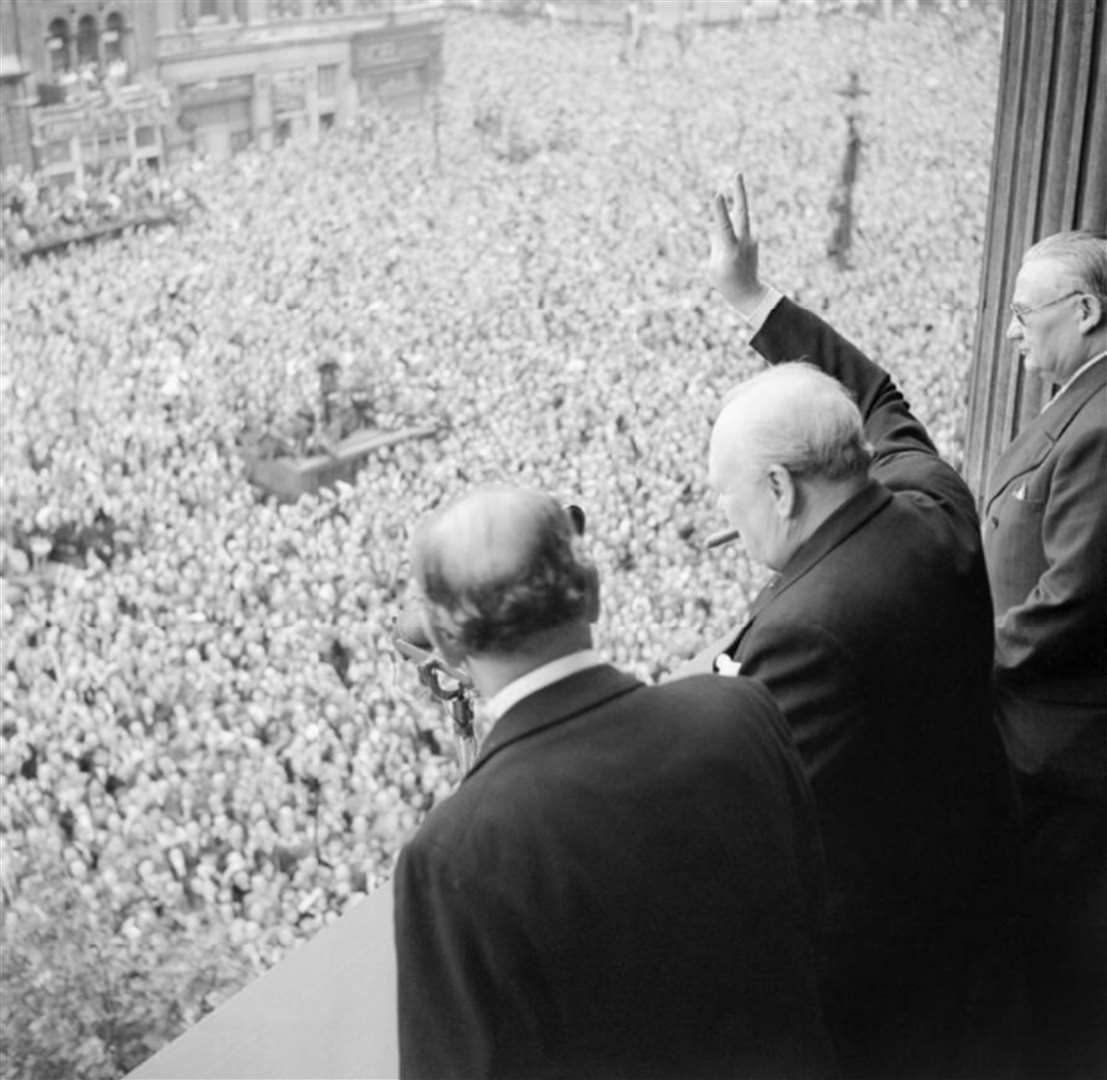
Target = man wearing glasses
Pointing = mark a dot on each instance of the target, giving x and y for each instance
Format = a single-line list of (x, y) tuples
[(1045, 539)]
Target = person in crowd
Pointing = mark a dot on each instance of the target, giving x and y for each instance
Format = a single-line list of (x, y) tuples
[(875, 638), (627, 881), (1045, 539)]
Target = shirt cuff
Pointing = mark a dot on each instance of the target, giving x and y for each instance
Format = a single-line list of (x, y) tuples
[(756, 318)]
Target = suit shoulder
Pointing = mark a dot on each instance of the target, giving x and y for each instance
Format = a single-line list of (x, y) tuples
[(930, 484), (705, 690), (736, 709), (1089, 421)]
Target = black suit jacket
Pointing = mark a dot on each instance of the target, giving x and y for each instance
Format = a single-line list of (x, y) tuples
[(1045, 535), (876, 642), (625, 884)]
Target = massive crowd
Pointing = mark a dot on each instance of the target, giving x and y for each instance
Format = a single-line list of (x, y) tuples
[(203, 718), (37, 213)]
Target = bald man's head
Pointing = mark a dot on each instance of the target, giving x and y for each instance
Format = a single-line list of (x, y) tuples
[(500, 566), (787, 450), (792, 415)]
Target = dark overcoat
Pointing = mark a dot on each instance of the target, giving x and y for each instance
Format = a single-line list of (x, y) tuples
[(624, 885), (876, 641)]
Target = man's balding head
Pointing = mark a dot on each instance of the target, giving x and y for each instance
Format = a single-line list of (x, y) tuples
[(1059, 305), (1080, 259), (500, 567), (787, 449), (792, 415)]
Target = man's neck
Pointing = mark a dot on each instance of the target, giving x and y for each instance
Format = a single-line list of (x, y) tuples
[(491, 672), (1060, 386), (822, 499), (1094, 347)]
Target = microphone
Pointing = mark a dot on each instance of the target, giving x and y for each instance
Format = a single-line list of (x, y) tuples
[(410, 630), (409, 636)]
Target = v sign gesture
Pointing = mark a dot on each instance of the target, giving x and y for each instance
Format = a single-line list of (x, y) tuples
[(733, 260)]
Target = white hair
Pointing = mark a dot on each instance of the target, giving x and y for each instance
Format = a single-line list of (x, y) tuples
[(1079, 254), (792, 415)]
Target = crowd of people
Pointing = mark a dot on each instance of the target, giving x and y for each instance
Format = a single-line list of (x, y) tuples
[(37, 212), (203, 716)]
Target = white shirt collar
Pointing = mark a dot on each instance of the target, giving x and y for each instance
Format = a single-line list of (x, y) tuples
[(1076, 375), (538, 679)]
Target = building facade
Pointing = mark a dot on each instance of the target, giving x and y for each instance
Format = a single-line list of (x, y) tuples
[(87, 82)]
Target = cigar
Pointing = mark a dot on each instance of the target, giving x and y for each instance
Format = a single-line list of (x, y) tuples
[(719, 538)]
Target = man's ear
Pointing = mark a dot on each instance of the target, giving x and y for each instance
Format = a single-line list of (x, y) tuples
[(1092, 313), (784, 491)]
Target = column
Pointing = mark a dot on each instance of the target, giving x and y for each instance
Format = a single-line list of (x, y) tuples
[(256, 12), (76, 156), (311, 101), (261, 110), (170, 13)]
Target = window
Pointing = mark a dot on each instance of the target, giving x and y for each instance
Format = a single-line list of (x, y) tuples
[(285, 9), (209, 9), (90, 151), (113, 37), (56, 152), (88, 40), (328, 81), (57, 44)]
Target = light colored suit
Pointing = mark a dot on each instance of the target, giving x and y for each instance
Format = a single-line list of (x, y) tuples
[(1045, 540), (1045, 536)]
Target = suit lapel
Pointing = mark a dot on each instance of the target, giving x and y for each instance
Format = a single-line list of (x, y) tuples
[(1059, 414), (1026, 452), (1034, 442), (555, 704)]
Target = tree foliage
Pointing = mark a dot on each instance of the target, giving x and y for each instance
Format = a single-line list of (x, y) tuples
[(86, 992)]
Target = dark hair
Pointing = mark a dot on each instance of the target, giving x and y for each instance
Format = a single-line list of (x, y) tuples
[(527, 571)]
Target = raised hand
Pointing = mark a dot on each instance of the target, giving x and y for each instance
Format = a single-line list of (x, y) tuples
[(732, 263)]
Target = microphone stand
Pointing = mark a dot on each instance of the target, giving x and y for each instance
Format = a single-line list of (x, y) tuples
[(431, 670)]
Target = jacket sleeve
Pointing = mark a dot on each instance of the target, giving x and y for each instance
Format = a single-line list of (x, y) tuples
[(904, 458), (1060, 629)]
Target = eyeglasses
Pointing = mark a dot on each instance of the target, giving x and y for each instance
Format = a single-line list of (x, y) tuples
[(1020, 311)]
